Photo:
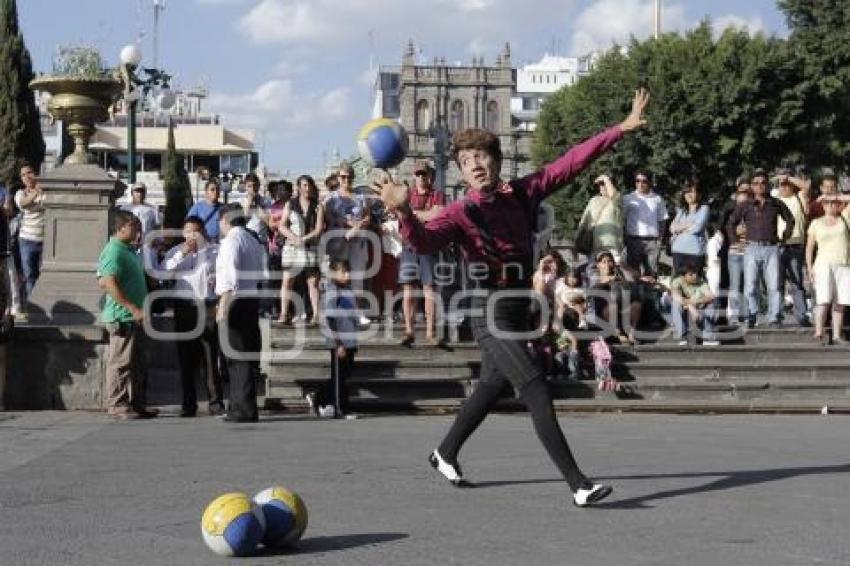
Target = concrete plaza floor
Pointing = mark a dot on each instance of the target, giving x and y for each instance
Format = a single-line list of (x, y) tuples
[(738, 490)]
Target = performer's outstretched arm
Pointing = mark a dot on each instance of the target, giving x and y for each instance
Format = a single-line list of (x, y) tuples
[(549, 178), (439, 232)]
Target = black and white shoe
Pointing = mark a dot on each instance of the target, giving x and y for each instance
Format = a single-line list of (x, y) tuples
[(590, 493), (452, 472)]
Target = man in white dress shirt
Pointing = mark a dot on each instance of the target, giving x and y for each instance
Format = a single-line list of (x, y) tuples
[(645, 221), (192, 265), (239, 268)]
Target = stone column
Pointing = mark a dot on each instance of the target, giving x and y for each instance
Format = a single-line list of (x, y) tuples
[(77, 218)]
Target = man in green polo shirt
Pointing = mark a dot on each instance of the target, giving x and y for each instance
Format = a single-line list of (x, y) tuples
[(122, 277)]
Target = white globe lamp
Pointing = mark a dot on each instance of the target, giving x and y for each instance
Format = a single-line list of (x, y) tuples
[(131, 55)]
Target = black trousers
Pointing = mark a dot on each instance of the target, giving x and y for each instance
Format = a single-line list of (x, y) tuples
[(335, 390), (506, 362), (243, 333), (200, 354)]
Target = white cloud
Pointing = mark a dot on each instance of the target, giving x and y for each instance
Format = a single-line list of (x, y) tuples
[(336, 24), (614, 21), (277, 104), (753, 25), (274, 21), (468, 5)]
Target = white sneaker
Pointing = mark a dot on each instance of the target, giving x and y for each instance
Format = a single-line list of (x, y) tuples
[(711, 343), (451, 473), (364, 321), (683, 342), (591, 493), (327, 412)]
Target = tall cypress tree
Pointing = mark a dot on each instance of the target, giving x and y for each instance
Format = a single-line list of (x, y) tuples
[(175, 182), (20, 127)]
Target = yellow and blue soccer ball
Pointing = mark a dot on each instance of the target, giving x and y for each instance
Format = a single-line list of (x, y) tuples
[(382, 143), (285, 516), (232, 525)]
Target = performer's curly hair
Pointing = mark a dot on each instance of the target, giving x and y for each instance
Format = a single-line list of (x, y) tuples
[(476, 138)]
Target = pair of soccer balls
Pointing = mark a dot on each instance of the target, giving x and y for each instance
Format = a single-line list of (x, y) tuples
[(233, 524)]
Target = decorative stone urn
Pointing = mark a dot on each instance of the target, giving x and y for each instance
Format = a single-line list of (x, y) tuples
[(79, 197), (81, 103)]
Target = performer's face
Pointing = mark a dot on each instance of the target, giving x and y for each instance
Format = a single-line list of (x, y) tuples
[(480, 170)]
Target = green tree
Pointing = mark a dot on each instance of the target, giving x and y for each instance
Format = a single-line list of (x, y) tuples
[(20, 126), (818, 51), (714, 113), (178, 190)]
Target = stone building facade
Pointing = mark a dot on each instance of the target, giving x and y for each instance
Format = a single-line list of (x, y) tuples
[(432, 101)]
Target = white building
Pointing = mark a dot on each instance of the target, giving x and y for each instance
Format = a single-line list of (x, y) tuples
[(537, 81)]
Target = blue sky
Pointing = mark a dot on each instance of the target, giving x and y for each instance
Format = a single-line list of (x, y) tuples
[(298, 71)]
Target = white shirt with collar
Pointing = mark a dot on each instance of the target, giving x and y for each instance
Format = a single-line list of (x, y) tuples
[(241, 262), (147, 215), (644, 214), (194, 272)]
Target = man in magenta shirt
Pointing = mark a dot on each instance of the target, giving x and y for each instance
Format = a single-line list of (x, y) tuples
[(493, 226)]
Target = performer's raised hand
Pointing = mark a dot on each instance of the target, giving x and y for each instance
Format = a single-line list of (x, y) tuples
[(396, 196), (635, 119)]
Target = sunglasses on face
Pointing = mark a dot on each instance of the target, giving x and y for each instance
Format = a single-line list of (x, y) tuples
[(343, 176), (421, 173)]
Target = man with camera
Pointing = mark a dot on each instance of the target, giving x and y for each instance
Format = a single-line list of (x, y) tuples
[(601, 225)]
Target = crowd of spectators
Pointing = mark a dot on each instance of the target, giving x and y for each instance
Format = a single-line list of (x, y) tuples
[(775, 252)]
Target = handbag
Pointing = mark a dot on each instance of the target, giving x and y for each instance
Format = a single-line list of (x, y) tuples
[(584, 241)]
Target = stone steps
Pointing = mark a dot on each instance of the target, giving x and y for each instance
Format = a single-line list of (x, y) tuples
[(760, 369)]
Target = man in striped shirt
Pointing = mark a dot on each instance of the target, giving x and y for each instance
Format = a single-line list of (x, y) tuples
[(30, 200)]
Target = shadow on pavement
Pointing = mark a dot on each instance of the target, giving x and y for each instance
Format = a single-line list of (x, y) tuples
[(726, 480), (501, 483), (317, 545)]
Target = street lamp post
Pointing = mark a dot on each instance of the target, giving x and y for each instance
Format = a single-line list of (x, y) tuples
[(136, 89)]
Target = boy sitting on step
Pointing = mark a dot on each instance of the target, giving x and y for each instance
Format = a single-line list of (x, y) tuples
[(692, 303)]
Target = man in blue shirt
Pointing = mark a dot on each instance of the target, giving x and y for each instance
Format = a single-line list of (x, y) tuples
[(208, 209)]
